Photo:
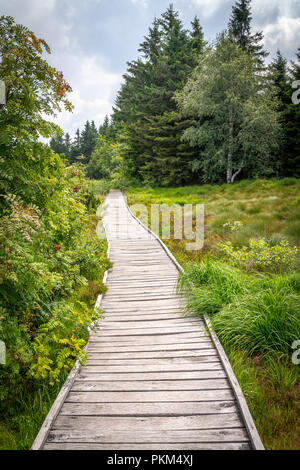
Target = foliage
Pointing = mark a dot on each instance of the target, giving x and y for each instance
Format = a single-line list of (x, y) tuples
[(261, 255), (257, 315), (48, 250), (80, 148), (240, 30), (235, 122), (105, 159), (152, 127)]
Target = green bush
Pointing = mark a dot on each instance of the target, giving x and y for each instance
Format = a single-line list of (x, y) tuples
[(261, 255)]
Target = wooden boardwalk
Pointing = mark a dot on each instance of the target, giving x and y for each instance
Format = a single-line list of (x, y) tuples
[(155, 379)]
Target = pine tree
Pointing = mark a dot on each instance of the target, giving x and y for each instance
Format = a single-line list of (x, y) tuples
[(292, 116), (197, 42), (88, 139), (68, 145), (76, 148), (146, 104), (103, 127), (280, 79), (240, 29), (58, 144)]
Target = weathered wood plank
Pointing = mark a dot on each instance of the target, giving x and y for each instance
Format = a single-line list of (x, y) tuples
[(148, 409), (150, 396), (121, 369), (144, 385), (148, 446), (152, 423), (204, 436), (89, 374), (205, 343)]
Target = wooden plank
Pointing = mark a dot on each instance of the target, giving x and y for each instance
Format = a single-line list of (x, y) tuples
[(208, 351), (148, 446), (147, 331), (144, 385), (157, 409), (179, 324), (121, 369), (125, 317), (54, 410), (149, 396), (249, 423), (150, 339), (150, 347), (152, 423), (165, 362), (173, 436), (91, 374)]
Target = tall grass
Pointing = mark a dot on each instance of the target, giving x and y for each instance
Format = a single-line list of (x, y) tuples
[(255, 313)]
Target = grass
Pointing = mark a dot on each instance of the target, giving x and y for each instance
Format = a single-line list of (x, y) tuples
[(23, 417), (254, 311)]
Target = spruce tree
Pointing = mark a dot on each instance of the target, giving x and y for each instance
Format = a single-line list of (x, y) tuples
[(292, 116), (75, 152), (145, 103), (88, 139), (240, 29), (280, 80)]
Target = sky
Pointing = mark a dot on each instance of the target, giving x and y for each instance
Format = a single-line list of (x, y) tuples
[(91, 40)]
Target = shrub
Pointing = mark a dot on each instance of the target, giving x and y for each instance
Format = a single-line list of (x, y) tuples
[(261, 255)]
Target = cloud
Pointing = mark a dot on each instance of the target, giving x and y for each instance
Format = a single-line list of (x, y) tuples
[(209, 7), (281, 35), (91, 40), (143, 3), (280, 22), (94, 89)]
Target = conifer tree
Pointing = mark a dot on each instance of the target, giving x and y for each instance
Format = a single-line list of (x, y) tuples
[(240, 29), (292, 116), (146, 104)]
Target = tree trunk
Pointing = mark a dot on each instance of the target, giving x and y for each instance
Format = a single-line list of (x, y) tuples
[(230, 145)]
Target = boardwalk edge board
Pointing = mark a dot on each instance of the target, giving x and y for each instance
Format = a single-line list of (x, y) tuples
[(241, 401)]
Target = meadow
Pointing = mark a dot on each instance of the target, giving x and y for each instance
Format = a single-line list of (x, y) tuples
[(246, 278)]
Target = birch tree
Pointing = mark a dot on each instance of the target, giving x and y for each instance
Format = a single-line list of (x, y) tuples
[(235, 125)]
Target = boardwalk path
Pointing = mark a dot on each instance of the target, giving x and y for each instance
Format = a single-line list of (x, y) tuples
[(154, 378)]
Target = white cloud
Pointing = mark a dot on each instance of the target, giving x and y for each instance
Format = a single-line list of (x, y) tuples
[(283, 34), (209, 7), (144, 3), (94, 88), (280, 23)]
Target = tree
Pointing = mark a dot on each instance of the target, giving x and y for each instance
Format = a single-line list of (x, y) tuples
[(34, 90), (281, 81), (240, 29), (88, 140), (235, 121), (104, 159), (44, 253), (292, 122), (146, 105), (197, 42), (58, 144)]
